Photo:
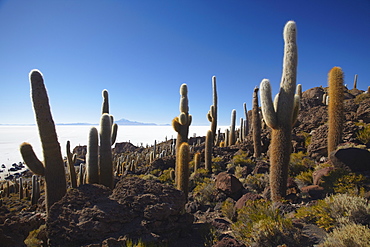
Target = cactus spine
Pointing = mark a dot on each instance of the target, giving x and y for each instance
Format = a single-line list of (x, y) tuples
[(53, 168), (279, 115), (336, 94), (182, 172), (92, 163), (105, 152), (232, 138), (71, 160), (256, 122), (208, 151)]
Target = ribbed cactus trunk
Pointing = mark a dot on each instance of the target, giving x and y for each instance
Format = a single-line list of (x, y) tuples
[(182, 172), (53, 167), (212, 114), (336, 108), (208, 151), (256, 121), (105, 152), (232, 138), (92, 161), (246, 121), (281, 115)]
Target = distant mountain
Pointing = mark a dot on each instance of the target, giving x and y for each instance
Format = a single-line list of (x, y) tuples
[(128, 122)]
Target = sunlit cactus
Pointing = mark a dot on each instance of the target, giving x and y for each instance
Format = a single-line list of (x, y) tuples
[(279, 115)]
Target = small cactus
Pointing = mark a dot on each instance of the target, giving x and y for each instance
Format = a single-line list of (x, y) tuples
[(232, 137), (197, 158), (92, 161), (208, 151), (71, 160)]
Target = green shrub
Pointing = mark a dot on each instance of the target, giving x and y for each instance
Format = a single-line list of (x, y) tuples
[(336, 210), (166, 177), (299, 162), (304, 178), (228, 209), (259, 223), (361, 97), (204, 191), (352, 234), (364, 135), (257, 182)]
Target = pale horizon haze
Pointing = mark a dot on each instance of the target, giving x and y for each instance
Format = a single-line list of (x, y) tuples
[(142, 51)]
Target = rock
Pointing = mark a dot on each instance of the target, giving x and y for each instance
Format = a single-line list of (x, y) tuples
[(228, 241), (247, 197), (363, 111), (314, 191), (356, 159), (317, 175), (136, 208), (229, 185), (318, 146)]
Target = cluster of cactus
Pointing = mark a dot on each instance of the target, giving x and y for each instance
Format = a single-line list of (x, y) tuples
[(281, 115), (99, 160), (53, 167), (336, 107)]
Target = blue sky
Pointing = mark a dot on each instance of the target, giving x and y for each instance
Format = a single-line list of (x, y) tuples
[(141, 51)]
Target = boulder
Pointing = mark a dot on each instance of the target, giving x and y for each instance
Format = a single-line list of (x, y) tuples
[(229, 184), (247, 197), (317, 175), (314, 191), (356, 159)]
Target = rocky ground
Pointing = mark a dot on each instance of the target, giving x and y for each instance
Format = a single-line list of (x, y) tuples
[(230, 207)]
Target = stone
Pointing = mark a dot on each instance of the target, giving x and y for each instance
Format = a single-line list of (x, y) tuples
[(229, 184), (356, 159)]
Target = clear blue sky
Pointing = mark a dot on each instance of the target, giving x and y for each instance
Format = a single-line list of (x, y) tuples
[(141, 51)]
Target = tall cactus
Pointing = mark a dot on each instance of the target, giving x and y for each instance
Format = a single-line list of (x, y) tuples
[(256, 122), (212, 114), (246, 121), (181, 123), (279, 115), (336, 108), (355, 82), (182, 172), (53, 167), (92, 162), (105, 152), (232, 138)]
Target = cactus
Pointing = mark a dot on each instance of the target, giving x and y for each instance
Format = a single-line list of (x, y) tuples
[(241, 131), (105, 152), (355, 82), (20, 188), (208, 151), (105, 105), (53, 168), (212, 114), (182, 169), (227, 137), (196, 161), (336, 108), (35, 190), (71, 160), (279, 115), (256, 123), (92, 162), (246, 121), (232, 137)]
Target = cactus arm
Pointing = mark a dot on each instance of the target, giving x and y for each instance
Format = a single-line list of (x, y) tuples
[(31, 159), (72, 171), (267, 107), (114, 133), (105, 104), (296, 107)]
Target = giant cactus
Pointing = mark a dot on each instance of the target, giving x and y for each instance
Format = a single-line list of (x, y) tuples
[(92, 163), (280, 114), (53, 166), (181, 123), (232, 135), (105, 152), (336, 94), (256, 123), (182, 169), (212, 114)]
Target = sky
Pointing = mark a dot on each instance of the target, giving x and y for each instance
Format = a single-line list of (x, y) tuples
[(141, 51)]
